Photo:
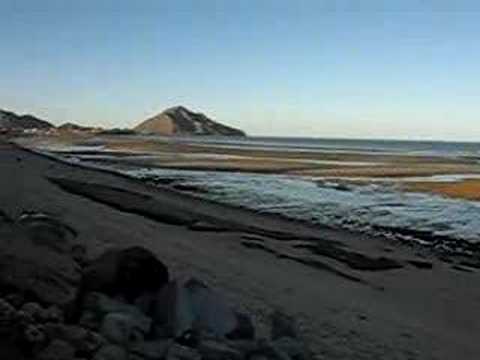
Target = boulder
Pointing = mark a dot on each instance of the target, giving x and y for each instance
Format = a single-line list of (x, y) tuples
[(40, 272), (127, 272), (244, 328), (32, 309), (111, 352), (150, 350), (57, 350), (186, 306), (295, 349), (123, 329), (34, 335), (282, 325), (52, 314), (216, 350), (7, 316), (97, 305), (47, 231), (179, 352), (17, 300), (84, 341)]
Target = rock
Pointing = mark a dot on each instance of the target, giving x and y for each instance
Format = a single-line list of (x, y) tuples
[(243, 346), (57, 350), (79, 254), (179, 352), (52, 314), (122, 328), (101, 305), (7, 316), (244, 328), (215, 350), (90, 320), (270, 351), (127, 272), (150, 350), (111, 352), (17, 300), (84, 341), (146, 302), (33, 310), (282, 325), (30, 268), (258, 357), (34, 335), (292, 347), (23, 319), (192, 306), (47, 231)]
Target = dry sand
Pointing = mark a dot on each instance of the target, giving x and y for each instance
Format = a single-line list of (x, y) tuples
[(404, 313)]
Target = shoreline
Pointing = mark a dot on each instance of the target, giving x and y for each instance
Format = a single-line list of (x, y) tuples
[(381, 316), (410, 238)]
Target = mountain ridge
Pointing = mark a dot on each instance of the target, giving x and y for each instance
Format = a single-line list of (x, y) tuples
[(12, 121)]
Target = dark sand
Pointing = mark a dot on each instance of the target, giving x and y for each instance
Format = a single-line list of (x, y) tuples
[(355, 298)]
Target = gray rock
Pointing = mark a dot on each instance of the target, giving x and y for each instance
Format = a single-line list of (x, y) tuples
[(269, 350), (97, 306), (47, 231), (179, 352), (52, 314), (258, 357), (57, 350), (101, 305), (29, 266), (122, 328), (151, 350), (192, 306), (244, 328), (34, 335), (83, 340), (146, 302), (90, 320), (7, 315), (111, 352), (216, 350), (15, 299), (33, 310), (282, 325), (292, 347), (128, 272), (243, 346), (23, 319), (79, 254)]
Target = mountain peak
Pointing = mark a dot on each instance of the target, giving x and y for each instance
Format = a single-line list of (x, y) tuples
[(178, 120)]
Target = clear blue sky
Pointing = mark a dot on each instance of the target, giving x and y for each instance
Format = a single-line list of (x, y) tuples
[(382, 69)]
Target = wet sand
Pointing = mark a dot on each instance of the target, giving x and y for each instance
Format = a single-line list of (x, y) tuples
[(351, 303), (465, 189)]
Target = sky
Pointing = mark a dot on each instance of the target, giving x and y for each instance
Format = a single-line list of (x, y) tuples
[(351, 69)]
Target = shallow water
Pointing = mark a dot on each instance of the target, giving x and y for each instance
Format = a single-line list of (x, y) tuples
[(359, 207), (375, 207)]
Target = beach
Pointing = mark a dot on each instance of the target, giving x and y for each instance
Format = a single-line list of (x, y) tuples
[(403, 190), (355, 295)]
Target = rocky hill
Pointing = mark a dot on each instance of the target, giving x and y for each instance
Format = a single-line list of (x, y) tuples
[(71, 127), (12, 121), (179, 120)]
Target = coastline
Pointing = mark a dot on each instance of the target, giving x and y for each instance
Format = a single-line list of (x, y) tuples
[(388, 320)]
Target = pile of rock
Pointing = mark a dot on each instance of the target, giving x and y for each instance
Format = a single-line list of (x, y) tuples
[(125, 307)]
